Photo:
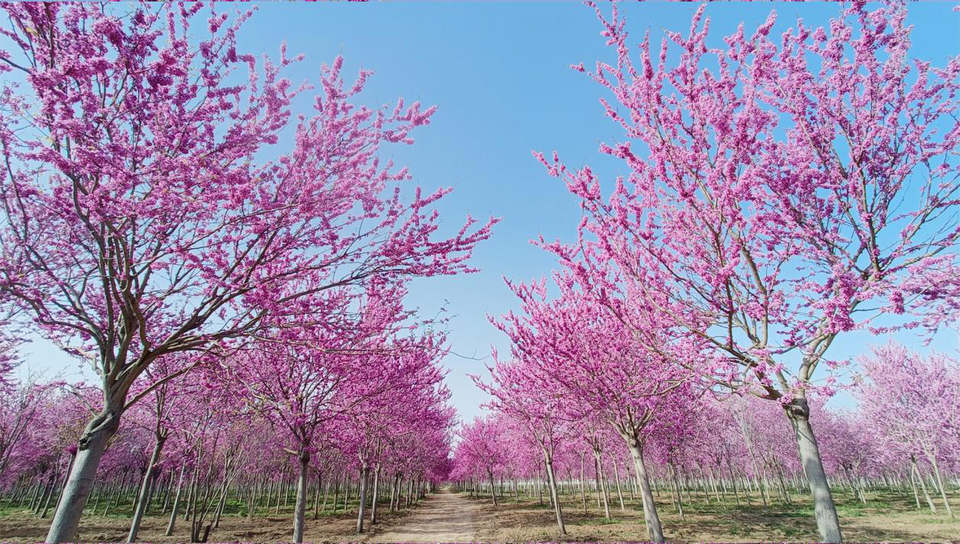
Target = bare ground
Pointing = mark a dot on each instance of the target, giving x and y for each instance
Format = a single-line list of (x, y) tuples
[(23, 526), (444, 517), (883, 519), (453, 517)]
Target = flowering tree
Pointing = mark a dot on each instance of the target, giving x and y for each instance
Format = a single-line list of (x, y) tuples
[(780, 193), (481, 451), (166, 410), (915, 403), (592, 367), (519, 394), (20, 409), (140, 218)]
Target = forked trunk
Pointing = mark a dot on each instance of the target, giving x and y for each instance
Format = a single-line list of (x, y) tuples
[(828, 525)]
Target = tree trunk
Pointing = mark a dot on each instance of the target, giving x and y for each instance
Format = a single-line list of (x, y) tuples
[(142, 499), (616, 474), (654, 529), (913, 483), (326, 493), (828, 525), (493, 490), (601, 483), (364, 471), (553, 493), (939, 480), (923, 485), (65, 475), (90, 450), (583, 487), (50, 489), (176, 501), (300, 510), (676, 490), (376, 492)]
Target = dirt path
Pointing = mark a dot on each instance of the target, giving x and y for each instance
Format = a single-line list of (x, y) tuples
[(443, 517)]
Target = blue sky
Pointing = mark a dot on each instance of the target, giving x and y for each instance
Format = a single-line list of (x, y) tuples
[(499, 73)]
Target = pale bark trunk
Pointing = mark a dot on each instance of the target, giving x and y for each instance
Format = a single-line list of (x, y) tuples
[(300, 509), (553, 493), (828, 524), (364, 471), (939, 480), (923, 485), (143, 498), (913, 484), (616, 474), (601, 483), (376, 491), (583, 486), (493, 490), (652, 520), (676, 490), (176, 501), (66, 519)]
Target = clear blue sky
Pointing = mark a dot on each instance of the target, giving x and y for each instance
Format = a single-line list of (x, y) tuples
[(499, 74)]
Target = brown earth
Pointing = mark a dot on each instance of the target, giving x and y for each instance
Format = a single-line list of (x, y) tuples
[(886, 517), (23, 526), (451, 517), (443, 517)]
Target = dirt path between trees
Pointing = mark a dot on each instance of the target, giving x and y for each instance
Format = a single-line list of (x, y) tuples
[(442, 517)]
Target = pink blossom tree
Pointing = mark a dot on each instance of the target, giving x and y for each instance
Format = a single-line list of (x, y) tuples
[(597, 368), (140, 217), (780, 193), (481, 452), (915, 403), (519, 394)]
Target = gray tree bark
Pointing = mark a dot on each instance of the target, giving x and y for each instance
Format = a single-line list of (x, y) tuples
[(654, 529), (376, 492), (300, 510), (90, 450), (553, 493), (176, 501), (143, 497), (364, 472), (825, 512)]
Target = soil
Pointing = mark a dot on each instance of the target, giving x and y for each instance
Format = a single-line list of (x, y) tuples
[(443, 517), (447, 516), (23, 526), (886, 518)]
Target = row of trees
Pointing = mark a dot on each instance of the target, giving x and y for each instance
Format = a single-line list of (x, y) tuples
[(775, 193), (232, 269), (192, 445), (729, 449)]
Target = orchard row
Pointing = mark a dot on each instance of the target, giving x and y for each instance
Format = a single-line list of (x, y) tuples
[(231, 266), (232, 269), (778, 194)]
